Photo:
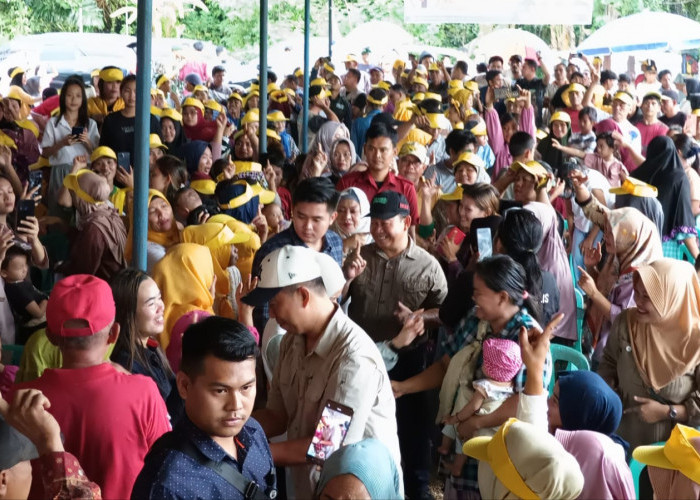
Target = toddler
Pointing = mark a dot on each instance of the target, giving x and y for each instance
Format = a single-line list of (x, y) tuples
[(501, 363), (275, 219)]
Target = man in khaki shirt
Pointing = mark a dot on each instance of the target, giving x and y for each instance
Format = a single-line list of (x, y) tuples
[(390, 278), (324, 356)]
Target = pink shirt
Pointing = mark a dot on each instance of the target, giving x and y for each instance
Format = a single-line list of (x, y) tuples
[(612, 170), (109, 419), (496, 141), (649, 132), (602, 462)]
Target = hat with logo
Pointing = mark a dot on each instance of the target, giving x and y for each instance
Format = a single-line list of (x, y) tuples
[(286, 266), (416, 149), (79, 297), (388, 204)]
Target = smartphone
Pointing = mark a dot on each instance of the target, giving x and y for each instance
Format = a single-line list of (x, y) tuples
[(484, 242), (25, 208), (77, 131), (330, 432), (193, 216), (124, 160), (505, 93), (35, 177), (456, 235)]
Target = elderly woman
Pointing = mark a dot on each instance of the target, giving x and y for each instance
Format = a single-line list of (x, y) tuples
[(98, 245), (352, 223), (652, 358)]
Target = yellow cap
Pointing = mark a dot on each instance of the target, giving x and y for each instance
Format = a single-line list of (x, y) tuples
[(155, 142), (534, 168), (384, 85), (434, 67), (17, 71), (299, 72), (272, 86), (624, 97), (277, 116), (453, 86), (213, 235), (351, 58), (318, 81), (329, 67), (654, 94), (573, 87), (111, 75), (155, 110), (695, 112), (191, 101), (416, 149), (325, 93), (235, 95), (41, 163), (418, 97), (635, 187), (249, 95), (418, 80), (378, 102), (172, 114), (254, 87), (266, 196), (200, 88), (162, 80), (438, 120), (204, 186), (473, 86), (103, 152), (455, 195), (561, 116), (213, 105), (279, 96), (95, 72), (433, 95), (273, 135), (678, 453), (479, 129), (471, 158), (6, 140), (399, 64), (252, 116), (70, 181)]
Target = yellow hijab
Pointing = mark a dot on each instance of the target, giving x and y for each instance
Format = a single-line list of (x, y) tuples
[(166, 239), (247, 249), (184, 277), (666, 350)]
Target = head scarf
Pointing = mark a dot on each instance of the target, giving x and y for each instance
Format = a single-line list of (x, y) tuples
[(179, 139), (666, 350), (370, 462), (210, 235), (326, 134), (190, 153), (663, 169), (360, 197), (203, 131), (587, 402), (100, 215), (549, 153), (184, 277), (165, 239), (245, 212), (334, 146), (650, 208)]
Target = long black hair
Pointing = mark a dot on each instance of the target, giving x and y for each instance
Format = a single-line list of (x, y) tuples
[(688, 149), (520, 233), (500, 273), (83, 110), (17, 79)]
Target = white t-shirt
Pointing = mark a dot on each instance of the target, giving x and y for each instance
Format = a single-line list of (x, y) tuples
[(55, 132), (596, 180)]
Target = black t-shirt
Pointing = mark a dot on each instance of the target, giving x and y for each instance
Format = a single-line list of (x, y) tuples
[(20, 295), (118, 132), (537, 89), (342, 110), (677, 119)]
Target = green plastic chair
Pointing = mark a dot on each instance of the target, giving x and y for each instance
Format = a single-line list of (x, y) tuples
[(15, 353), (573, 358), (685, 253), (580, 315)]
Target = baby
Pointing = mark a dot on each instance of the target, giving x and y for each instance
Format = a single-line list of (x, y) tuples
[(501, 363), (275, 218)]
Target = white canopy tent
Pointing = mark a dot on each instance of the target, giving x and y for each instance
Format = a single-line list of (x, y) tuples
[(645, 31), (507, 42)]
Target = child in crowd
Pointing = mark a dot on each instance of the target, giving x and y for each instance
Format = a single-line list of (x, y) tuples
[(603, 160), (502, 362), (275, 219), (585, 140), (27, 303)]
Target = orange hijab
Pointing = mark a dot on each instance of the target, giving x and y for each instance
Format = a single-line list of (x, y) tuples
[(666, 350)]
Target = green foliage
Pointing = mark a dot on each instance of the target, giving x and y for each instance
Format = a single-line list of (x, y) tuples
[(14, 18)]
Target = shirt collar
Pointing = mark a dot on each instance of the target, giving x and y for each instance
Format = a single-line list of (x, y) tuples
[(325, 343), (208, 446)]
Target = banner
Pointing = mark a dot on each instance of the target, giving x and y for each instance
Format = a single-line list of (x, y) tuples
[(498, 11)]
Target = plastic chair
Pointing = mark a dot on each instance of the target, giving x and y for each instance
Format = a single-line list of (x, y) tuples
[(685, 254), (580, 315), (574, 361), (15, 353)]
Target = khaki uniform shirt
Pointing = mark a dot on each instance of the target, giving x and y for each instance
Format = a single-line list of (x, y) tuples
[(413, 277), (345, 367)]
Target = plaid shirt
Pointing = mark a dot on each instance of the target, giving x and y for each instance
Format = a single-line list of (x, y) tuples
[(465, 333), (332, 245)]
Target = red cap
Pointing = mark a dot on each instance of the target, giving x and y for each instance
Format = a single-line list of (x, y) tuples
[(84, 297)]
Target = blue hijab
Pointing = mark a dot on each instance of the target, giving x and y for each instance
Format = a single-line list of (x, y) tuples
[(587, 403), (370, 462), (190, 153), (226, 191)]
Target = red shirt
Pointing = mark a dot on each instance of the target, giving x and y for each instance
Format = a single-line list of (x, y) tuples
[(392, 182), (46, 107), (648, 132), (109, 420)]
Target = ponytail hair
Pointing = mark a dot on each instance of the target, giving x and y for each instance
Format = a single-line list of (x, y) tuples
[(520, 233), (501, 273)]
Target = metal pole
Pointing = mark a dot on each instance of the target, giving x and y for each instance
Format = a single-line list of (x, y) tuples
[(330, 29), (143, 129), (263, 77), (305, 102)]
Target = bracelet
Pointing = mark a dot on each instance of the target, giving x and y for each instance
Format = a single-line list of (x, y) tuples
[(392, 347)]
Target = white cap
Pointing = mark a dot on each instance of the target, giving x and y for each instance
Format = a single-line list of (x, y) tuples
[(291, 265)]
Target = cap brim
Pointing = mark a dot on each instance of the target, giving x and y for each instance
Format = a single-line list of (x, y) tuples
[(260, 296), (240, 237), (652, 455), (617, 190), (477, 447)]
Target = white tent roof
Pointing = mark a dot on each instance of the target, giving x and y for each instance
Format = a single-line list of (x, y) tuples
[(642, 32), (505, 43)]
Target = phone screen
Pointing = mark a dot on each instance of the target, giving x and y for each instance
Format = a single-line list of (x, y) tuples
[(124, 160), (484, 242), (77, 130), (330, 432), (34, 179), (25, 208)]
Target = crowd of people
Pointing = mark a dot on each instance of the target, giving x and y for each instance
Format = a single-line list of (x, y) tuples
[(411, 268)]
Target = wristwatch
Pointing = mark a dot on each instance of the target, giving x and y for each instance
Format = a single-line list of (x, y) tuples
[(672, 413)]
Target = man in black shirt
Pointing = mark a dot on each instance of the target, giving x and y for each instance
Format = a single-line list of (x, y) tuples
[(669, 109), (119, 127), (536, 86), (339, 105)]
